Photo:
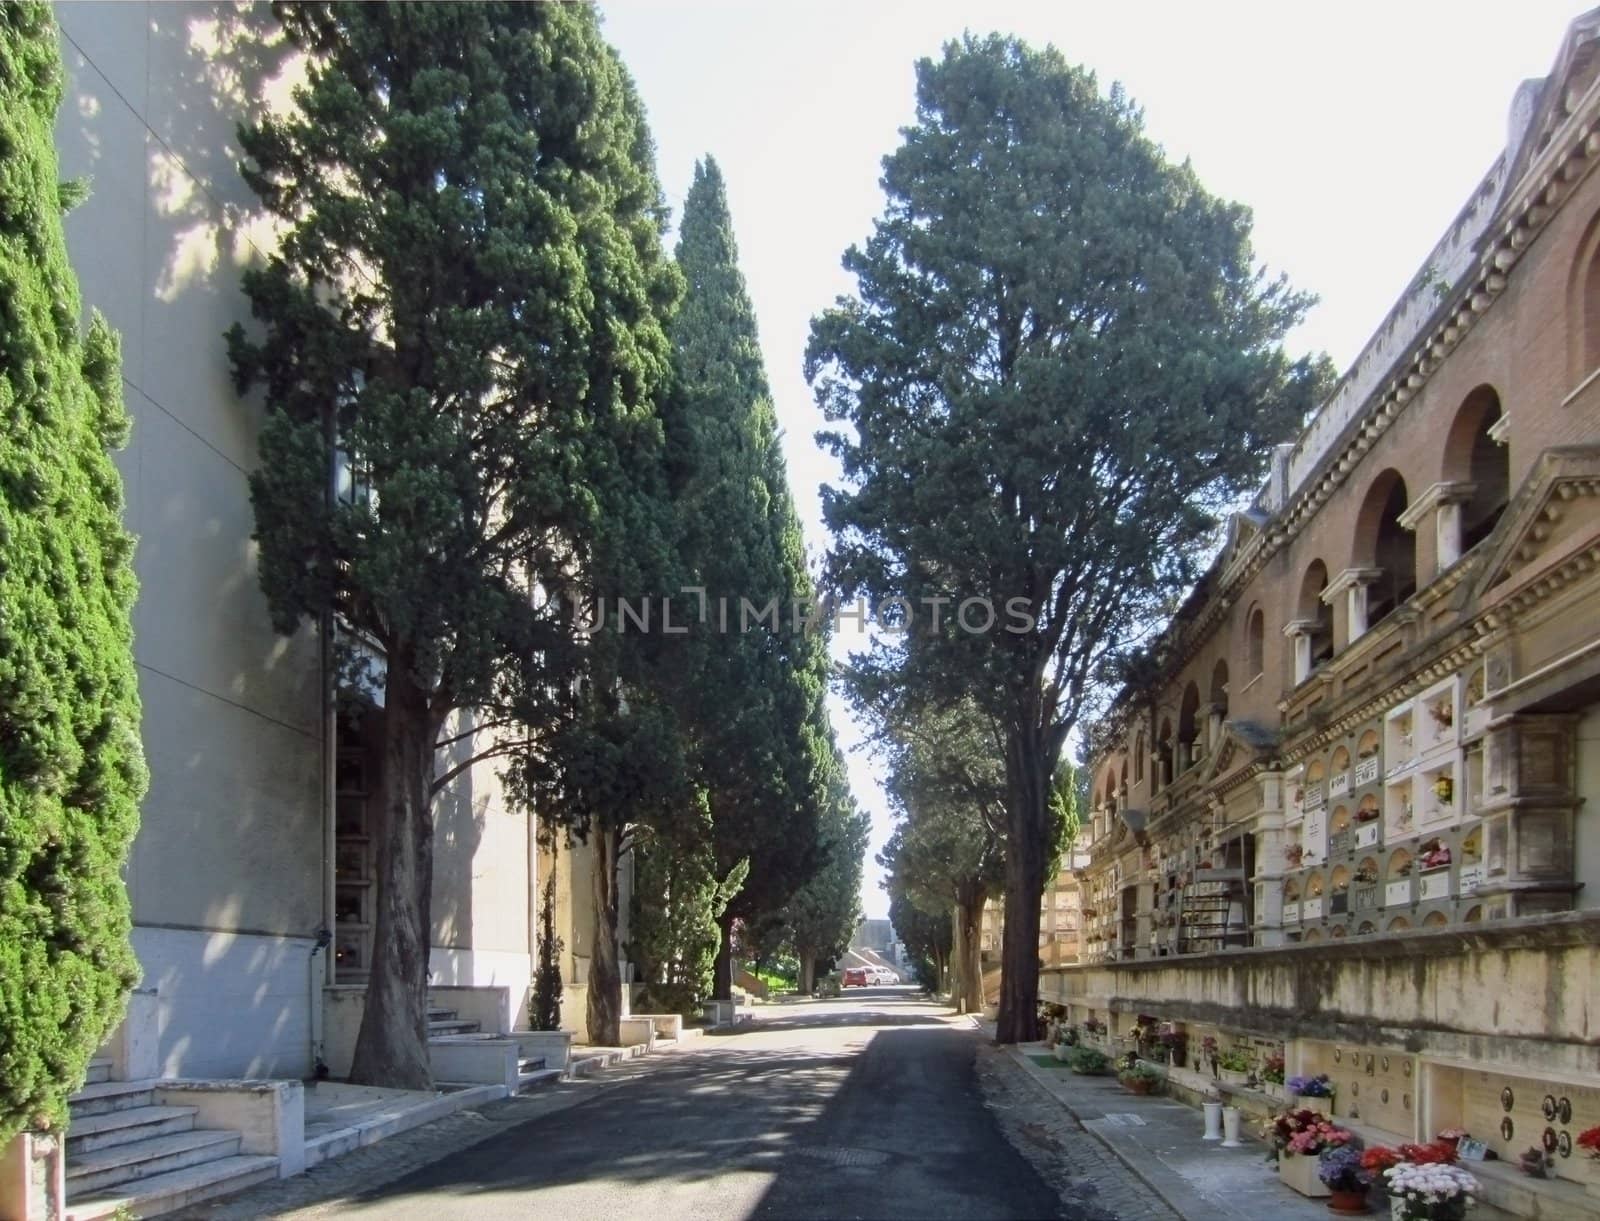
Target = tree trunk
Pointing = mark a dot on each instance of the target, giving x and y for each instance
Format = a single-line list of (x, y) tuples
[(1027, 823), (808, 973), (604, 1010), (969, 920), (392, 1046), (722, 976), (958, 958)]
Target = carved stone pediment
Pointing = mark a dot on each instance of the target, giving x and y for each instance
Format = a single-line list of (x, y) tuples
[(1554, 516)]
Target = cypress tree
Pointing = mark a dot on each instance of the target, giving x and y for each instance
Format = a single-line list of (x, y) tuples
[(71, 768), (752, 699), (468, 296)]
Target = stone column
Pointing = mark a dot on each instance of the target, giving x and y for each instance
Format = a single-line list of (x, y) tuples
[(1353, 584), (1299, 632), (1443, 501)]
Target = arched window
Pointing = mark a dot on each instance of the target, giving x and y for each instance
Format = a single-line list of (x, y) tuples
[(1188, 730), (1584, 306), (1312, 609), (1383, 543), (1255, 634), (1219, 688), (1471, 455)]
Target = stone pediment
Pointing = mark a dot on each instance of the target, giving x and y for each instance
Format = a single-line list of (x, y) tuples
[(1242, 742), (1553, 519)]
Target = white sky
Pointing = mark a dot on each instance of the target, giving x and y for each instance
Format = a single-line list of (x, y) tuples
[(1356, 133)]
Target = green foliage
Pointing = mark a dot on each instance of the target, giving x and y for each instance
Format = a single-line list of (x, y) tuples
[(468, 296), (545, 1007), (925, 935), (1141, 1073), (1089, 1062), (71, 768), (820, 917), (1059, 366), (750, 701), (677, 900)]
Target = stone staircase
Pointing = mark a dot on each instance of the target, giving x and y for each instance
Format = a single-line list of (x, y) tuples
[(127, 1151), (447, 1026)]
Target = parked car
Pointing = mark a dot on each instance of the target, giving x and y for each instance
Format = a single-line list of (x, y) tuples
[(854, 977), (881, 975)]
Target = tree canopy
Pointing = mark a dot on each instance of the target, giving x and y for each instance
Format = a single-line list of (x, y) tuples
[(71, 766), (1059, 364)]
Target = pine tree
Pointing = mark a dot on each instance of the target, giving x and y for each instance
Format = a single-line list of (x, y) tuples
[(467, 300), (1060, 364), (71, 767), (751, 699), (820, 917)]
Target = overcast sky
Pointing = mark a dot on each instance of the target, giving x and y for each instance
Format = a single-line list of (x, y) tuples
[(1355, 132)]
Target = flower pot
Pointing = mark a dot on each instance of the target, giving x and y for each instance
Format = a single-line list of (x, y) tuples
[(1232, 1077), (1300, 1173), (1213, 1112), (1136, 1085), (1322, 1106), (1349, 1203), (1230, 1128)]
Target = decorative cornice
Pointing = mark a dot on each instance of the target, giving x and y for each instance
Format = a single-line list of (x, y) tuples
[(1348, 578), (1432, 497)]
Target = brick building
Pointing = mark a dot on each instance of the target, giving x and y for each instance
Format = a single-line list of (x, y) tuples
[(1352, 820)]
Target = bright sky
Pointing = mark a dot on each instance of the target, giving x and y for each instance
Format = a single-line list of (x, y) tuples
[(1356, 133)]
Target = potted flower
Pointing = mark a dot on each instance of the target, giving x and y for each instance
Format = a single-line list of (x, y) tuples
[(1298, 1139), (1347, 1180), (1444, 789), (1436, 1192), (1312, 1093), (1377, 1158), (1175, 1042), (1140, 1079), (1087, 1062), (1272, 1075), (1233, 1067)]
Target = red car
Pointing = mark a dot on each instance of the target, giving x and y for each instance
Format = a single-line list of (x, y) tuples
[(854, 977)]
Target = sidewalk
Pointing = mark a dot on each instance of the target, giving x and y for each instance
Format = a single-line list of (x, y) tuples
[(1160, 1141)]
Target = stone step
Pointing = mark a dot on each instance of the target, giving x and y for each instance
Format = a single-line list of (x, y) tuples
[(661, 1044), (530, 1064), (95, 1172), (99, 1071), (90, 1132), (452, 1026), (164, 1193), (534, 1078), (111, 1096), (440, 1015)]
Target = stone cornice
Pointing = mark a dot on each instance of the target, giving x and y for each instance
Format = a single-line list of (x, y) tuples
[(1349, 577), (1432, 497)]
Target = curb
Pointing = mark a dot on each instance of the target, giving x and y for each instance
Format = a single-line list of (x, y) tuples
[(1172, 1188)]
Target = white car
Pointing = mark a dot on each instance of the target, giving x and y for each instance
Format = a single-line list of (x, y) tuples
[(879, 975)]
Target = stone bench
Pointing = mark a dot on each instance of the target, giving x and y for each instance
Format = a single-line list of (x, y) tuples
[(667, 1025)]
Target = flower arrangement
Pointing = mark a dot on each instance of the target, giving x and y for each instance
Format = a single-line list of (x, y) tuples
[(1443, 712), (1430, 1191), (1293, 853), (1403, 869), (1368, 814), (1272, 1069), (1589, 1141), (1304, 1133), (1088, 1062), (1094, 1025), (1379, 1158), (1310, 1087), (1435, 1153), (1174, 1040), (1341, 1169), (1450, 1136), (1444, 789), (1139, 1079), (1233, 1062), (1434, 854), (1366, 873)]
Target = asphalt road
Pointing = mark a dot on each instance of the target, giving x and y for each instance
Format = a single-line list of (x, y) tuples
[(865, 1107)]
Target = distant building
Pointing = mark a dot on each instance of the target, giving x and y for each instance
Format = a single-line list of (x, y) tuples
[(873, 934)]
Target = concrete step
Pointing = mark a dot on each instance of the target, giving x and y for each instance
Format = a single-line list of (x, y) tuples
[(99, 1071), (440, 1015), (452, 1026), (95, 1172), (111, 1096), (534, 1078), (164, 1193), (87, 1133), (531, 1064), (661, 1044)]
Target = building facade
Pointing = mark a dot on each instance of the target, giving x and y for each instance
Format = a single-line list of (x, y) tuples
[(1353, 820), (1060, 918)]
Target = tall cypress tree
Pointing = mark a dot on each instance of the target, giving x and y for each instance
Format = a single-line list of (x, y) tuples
[(752, 702), (468, 297), (71, 768), (819, 918)]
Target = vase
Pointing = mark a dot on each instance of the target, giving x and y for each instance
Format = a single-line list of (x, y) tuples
[(1230, 1128), (1213, 1112), (1300, 1173), (1348, 1203)]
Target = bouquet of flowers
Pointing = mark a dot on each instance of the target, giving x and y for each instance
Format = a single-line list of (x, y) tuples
[(1310, 1087), (1208, 1049), (1379, 1158), (1434, 854), (1174, 1040), (1094, 1025), (1341, 1168), (1589, 1139), (1435, 1153), (1272, 1069), (1304, 1133), (1437, 1192)]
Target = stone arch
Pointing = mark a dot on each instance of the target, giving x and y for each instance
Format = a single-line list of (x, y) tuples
[(1382, 543), (1255, 641), (1310, 608), (1583, 306), (1472, 455)]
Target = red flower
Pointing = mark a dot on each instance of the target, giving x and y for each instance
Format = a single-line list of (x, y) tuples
[(1436, 1153), (1379, 1158), (1589, 1139)]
